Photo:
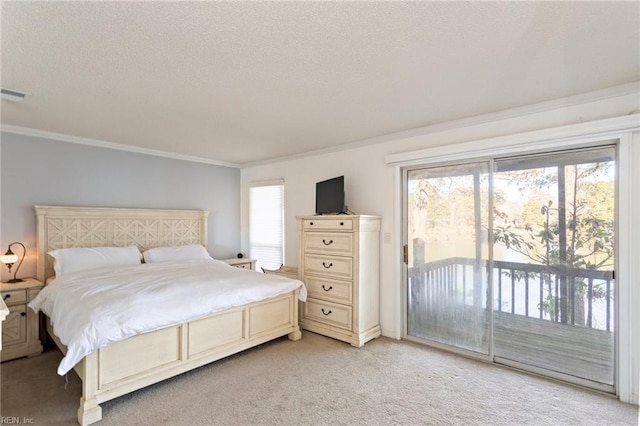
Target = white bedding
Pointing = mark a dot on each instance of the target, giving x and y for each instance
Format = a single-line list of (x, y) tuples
[(90, 309)]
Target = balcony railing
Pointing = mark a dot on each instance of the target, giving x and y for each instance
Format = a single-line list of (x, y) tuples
[(574, 296)]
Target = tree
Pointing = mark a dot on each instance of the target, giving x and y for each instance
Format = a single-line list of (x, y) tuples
[(574, 229)]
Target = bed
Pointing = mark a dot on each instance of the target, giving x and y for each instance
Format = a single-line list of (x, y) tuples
[(125, 366)]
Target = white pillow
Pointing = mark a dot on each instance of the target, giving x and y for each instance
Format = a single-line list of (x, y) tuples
[(83, 258), (164, 254)]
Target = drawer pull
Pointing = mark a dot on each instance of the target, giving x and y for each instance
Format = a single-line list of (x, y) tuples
[(326, 313), (341, 223), (327, 289), (327, 243), (6, 296), (325, 265), (24, 314), (310, 223)]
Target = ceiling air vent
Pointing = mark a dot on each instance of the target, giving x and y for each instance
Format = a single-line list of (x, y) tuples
[(13, 95)]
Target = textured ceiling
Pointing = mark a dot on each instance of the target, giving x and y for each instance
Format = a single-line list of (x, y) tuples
[(242, 82)]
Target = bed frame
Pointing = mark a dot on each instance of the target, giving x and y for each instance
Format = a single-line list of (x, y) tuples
[(142, 360)]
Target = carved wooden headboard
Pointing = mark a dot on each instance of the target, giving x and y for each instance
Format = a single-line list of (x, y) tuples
[(64, 227)]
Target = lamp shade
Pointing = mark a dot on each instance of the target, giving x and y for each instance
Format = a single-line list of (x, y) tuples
[(9, 258)]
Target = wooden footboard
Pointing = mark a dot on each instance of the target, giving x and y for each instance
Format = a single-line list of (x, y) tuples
[(142, 360)]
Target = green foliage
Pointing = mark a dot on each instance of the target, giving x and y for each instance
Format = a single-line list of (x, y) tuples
[(585, 240), (589, 227)]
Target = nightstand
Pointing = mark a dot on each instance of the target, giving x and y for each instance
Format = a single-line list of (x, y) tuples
[(20, 329), (242, 263)]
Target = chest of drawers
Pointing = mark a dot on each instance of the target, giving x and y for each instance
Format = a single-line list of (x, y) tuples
[(339, 263)]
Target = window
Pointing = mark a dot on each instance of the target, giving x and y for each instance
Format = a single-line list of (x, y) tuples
[(266, 230), (513, 258)]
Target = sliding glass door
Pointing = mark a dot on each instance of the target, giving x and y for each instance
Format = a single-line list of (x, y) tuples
[(448, 291), (554, 262), (541, 230)]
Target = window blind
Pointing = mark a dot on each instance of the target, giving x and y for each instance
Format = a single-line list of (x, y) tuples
[(266, 224)]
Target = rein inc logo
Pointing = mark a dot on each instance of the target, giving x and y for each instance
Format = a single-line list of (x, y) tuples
[(6, 420)]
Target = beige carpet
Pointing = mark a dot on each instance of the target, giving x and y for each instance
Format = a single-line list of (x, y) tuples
[(320, 381)]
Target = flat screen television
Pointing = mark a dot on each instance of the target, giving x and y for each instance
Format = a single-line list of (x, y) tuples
[(330, 196)]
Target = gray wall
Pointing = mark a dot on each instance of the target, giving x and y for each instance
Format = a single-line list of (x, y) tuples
[(43, 171)]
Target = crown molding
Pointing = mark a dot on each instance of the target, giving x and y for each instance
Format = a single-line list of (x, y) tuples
[(584, 98), (598, 95), (24, 131)]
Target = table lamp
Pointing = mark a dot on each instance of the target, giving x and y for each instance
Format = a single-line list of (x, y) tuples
[(10, 258)]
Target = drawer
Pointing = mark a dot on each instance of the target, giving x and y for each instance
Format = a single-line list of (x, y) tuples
[(285, 271), (330, 290), (242, 265), (14, 297), (329, 224), (328, 266), (329, 243), (32, 293), (328, 313)]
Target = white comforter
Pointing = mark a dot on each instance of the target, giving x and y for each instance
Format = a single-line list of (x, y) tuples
[(90, 309)]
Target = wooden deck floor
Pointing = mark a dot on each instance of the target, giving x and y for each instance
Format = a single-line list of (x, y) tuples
[(576, 351)]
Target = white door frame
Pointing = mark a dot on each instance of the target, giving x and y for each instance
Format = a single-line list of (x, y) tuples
[(626, 132)]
